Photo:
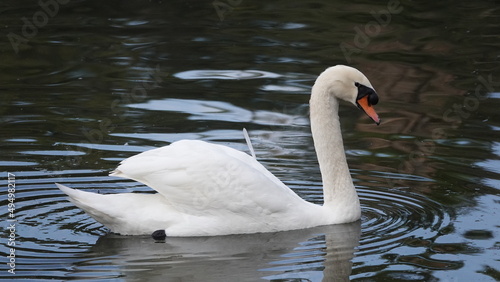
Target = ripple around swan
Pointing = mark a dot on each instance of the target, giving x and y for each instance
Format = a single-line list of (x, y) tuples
[(65, 242), (400, 232), (41, 216), (390, 217)]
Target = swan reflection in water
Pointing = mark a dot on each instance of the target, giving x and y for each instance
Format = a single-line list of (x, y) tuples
[(246, 257)]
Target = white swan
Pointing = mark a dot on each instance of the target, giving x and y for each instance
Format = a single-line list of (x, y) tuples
[(207, 189)]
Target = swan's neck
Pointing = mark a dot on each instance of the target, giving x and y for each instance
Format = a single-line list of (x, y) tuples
[(338, 189)]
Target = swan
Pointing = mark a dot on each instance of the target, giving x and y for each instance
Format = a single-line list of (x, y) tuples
[(208, 189)]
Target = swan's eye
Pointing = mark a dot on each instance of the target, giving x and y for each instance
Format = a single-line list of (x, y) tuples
[(364, 91)]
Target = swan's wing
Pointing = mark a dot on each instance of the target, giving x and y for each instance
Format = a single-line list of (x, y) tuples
[(200, 178)]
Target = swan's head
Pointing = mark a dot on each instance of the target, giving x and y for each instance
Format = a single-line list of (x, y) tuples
[(351, 85)]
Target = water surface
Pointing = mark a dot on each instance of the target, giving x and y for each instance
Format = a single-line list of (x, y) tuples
[(96, 82)]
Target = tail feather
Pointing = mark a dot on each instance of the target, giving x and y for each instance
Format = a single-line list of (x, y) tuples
[(96, 205), (125, 213)]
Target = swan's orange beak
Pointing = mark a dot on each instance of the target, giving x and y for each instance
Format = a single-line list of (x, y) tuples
[(365, 105)]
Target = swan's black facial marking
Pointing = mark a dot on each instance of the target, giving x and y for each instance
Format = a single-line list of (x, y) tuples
[(365, 90), (159, 235)]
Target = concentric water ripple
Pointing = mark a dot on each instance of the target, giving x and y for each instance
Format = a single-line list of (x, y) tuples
[(391, 216)]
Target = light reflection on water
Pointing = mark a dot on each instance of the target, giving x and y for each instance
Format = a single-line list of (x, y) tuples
[(70, 114)]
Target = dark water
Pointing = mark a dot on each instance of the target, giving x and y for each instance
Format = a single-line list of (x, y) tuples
[(85, 84)]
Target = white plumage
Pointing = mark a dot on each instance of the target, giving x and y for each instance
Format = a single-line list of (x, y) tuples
[(207, 189)]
